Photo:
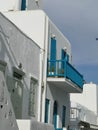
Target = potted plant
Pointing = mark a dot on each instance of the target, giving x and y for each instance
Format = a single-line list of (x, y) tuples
[(62, 71), (51, 70)]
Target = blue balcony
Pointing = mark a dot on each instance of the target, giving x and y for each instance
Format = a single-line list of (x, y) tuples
[(63, 69)]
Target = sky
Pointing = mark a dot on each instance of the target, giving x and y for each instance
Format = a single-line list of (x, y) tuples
[(78, 21)]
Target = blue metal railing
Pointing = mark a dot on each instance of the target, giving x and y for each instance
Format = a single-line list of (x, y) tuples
[(62, 129), (58, 128), (62, 68)]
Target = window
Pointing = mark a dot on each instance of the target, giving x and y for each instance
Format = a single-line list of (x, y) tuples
[(64, 55), (2, 69), (53, 54), (73, 113), (33, 97), (3, 65), (17, 73), (15, 88)]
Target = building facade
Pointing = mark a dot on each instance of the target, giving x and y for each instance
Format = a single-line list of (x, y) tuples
[(39, 73), (84, 111), (16, 5)]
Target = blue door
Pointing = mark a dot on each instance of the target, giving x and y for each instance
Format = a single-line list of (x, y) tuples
[(64, 55), (46, 110), (63, 115), (55, 114)]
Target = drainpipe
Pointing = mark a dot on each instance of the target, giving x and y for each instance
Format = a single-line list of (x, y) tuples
[(40, 86), (44, 69)]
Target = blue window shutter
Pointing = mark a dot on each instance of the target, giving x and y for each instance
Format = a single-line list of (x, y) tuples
[(23, 5), (53, 54), (64, 55), (53, 49), (46, 110)]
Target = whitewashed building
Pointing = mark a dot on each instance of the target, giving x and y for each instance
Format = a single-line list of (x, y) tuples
[(37, 69), (84, 108), (16, 5)]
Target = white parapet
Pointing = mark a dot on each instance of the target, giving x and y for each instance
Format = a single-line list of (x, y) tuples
[(33, 125), (24, 124)]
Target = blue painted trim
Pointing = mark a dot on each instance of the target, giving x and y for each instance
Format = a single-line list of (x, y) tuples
[(59, 129), (53, 54), (53, 49), (23, 5), (46, 110), (64, 55)]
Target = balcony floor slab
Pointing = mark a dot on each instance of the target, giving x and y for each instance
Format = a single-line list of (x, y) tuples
[(65, 84)]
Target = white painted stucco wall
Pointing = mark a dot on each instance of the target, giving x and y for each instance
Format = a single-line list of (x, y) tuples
[(83, 114), (33, 4), (33, 125), (89, 97), (16, 47), (8, 5), (32, 23), (61, 41), (20, 47), (7, 116), (13, 5), (56, 94)]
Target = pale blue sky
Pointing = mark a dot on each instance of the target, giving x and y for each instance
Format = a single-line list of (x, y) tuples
[(78, 21)]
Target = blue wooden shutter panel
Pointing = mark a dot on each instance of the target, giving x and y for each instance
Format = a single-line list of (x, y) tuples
[(53, 49), (53, 53), (23, 5), (46, 110)]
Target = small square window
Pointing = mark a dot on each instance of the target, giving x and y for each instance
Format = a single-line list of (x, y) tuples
[(17, 73)]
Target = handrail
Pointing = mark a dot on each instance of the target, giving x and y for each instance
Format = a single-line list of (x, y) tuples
[(62, 68)]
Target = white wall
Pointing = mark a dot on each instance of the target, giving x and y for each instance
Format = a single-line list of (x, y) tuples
[(88, 101), (19, 48), (7, 117), (16, 47), (88, 98), (32, 23), (33, 125), (13, 5), (83, 114), (61, 40), (62, 98), (7, 5), (34, 4)]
